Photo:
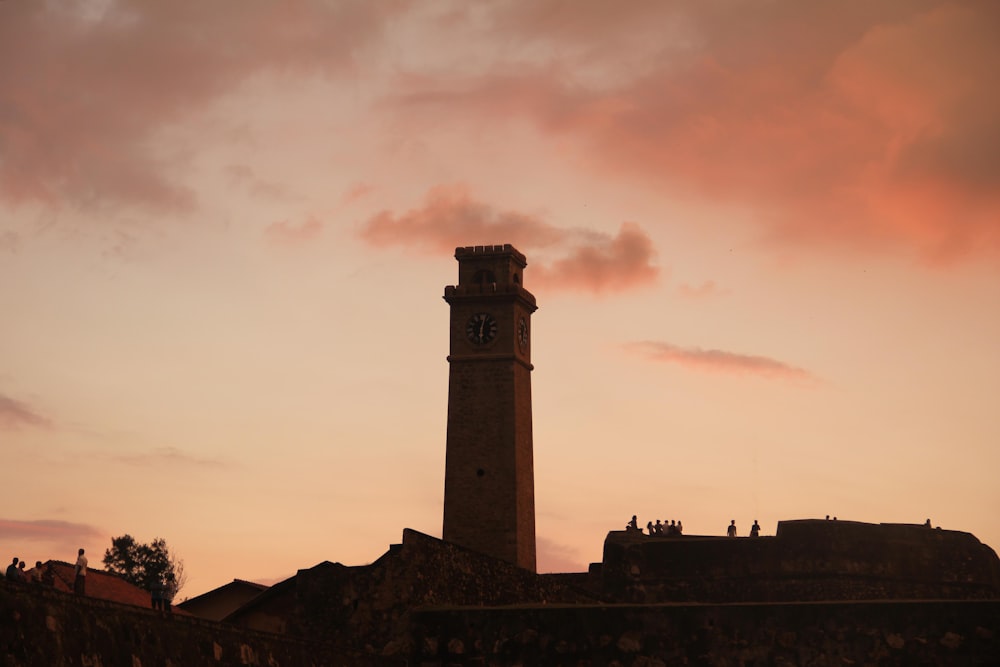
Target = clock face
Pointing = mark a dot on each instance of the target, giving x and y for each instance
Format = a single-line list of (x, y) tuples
[(481, 328), (522, 334)]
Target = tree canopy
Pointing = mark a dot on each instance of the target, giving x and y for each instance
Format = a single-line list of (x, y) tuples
[(148, 566)]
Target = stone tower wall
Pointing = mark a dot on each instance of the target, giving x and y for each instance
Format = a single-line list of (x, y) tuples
[(489, 469)]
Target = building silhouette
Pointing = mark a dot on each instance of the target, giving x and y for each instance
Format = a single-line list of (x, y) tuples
[(489, 489)]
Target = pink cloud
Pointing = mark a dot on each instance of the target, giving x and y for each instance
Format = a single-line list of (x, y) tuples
[(870, 126), (285, 233), (615, 264), (46, 529), (591, 262), (865, 125), (14, 414), (450, 217), (89, 91), (717, 360)]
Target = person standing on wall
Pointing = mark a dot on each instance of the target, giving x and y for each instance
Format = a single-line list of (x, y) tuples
[(80, 580), (38, 573), (156, 595), (12, 572)]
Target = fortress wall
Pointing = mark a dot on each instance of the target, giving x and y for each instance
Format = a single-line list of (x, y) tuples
[(370, 607), (899, 550), (806, 560), (932, 633), (47, 628), (53, 629)]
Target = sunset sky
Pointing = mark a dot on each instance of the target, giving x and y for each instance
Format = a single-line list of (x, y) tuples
[(764, 238)]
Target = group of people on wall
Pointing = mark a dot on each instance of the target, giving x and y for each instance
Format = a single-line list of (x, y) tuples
[(42, 574), (754, 529), (676, 528), (672, 529), (18, 575)]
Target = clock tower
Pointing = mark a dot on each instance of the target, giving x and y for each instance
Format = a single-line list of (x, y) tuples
[(489, 487)]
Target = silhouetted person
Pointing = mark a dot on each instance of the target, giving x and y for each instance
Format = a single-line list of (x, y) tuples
[(827, 517), (755, 529), (168, 596), (156, 595), (21, 574), (649, 527), (633, 524), (12, 572), (80, 578), (672, 528), (927, 524), (731, 531), (48, 575), (680, 527), (658, 527), (37, 574)]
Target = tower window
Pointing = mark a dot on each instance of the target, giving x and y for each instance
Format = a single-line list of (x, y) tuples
[(484, 277), (480, 472)]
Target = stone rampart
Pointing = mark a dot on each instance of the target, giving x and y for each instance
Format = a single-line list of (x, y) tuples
[(46, 628), (818, 634), (806, 560), (369, 607), (427, 602)]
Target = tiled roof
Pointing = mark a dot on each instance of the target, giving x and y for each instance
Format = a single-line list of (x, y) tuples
[(100, 584)]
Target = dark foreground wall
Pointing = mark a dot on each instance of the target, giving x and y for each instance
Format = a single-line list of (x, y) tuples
[(46, 628), (51, 629), (368, 607), (817, 634)]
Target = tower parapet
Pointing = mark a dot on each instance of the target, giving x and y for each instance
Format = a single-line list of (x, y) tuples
[(488, 269)]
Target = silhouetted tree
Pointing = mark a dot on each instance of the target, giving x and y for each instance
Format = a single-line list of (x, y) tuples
[(145, 565)]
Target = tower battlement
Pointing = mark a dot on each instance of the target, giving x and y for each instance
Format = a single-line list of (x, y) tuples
[(485, 269), (504, 249)]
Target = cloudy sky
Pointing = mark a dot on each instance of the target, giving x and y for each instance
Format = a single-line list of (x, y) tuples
[(764, 238)]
